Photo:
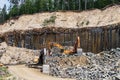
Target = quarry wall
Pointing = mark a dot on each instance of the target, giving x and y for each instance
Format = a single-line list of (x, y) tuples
[(92, 39)]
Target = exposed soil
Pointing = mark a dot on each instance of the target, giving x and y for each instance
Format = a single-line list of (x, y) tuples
[(91, 18), (30, 74)]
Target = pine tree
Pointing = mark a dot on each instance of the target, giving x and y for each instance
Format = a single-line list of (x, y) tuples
[(3, 14), (14, 11), (28, 7), (20, 7)]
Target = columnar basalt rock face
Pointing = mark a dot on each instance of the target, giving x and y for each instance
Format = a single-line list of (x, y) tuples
[(93, 39)]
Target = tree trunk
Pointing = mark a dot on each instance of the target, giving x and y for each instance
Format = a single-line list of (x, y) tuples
[(79, 4), (85, 4)]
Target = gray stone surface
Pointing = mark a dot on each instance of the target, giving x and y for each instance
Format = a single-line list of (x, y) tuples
[(102, 66)]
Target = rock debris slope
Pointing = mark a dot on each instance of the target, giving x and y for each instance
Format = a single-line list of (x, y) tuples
[(88, 66), (14, 55)]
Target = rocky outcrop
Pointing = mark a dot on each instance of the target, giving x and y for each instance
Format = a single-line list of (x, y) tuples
[(92, 39)]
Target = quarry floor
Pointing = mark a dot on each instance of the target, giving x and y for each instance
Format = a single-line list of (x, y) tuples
[(25, 73)]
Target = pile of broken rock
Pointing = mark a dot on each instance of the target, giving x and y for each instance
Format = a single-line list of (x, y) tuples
[(14, 55), (87, 66)]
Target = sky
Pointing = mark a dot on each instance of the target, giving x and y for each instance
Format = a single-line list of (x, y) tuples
[(2, 2)]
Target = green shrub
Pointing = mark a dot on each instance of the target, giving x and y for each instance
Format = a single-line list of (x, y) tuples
[(87, 22), (4, 72), (51, 20), (82, 23)]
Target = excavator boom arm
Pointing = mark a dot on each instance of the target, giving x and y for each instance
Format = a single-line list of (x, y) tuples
[(76, 45)]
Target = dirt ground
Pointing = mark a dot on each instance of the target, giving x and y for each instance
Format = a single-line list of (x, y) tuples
[(30, 74)]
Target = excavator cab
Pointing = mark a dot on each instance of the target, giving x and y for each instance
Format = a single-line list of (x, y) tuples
[(61, 50)]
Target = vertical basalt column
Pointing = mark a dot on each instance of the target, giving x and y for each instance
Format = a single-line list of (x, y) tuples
[(96, 40), (101, 39), (10, 39), (105, 39), (65, 38), (60, 38), (113, 38), (2, 39), (79, 34), (93, 40), (89, 41), (36, 41), (19, 39), (67, 41), (50, 38), (119, 37), (95, 44), (99, 31), (110, 38), (38, 45), (41, 40), (16, 39), (26, 40), (22, 37), (74, 38), (82, 39)]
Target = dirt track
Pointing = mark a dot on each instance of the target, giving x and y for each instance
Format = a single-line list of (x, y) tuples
[(30, 74)]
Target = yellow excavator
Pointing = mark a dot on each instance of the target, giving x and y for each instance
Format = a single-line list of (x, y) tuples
[(74, 50)]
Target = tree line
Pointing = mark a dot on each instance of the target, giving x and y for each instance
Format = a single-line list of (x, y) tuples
[(20, 7)]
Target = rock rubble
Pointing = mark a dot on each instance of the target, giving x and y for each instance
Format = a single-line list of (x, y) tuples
[(14, 55), (102, 66)]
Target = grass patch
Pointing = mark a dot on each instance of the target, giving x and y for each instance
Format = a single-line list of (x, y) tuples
[(4, 73), (51, 20), (87, 22)]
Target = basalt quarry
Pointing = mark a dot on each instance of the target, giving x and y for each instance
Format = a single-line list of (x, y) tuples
[(93, 39), (99, 32)]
